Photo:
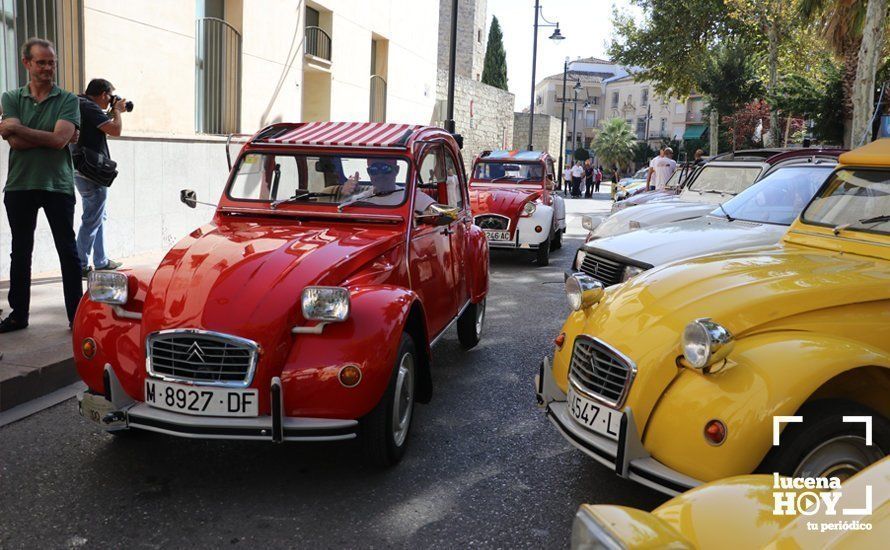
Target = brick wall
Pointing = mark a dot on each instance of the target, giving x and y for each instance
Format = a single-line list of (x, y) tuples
[(472, 36), (546, 136)]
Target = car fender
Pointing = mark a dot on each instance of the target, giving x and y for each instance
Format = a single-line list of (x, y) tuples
[(559, 210), (117, 333), (369, 339), (543, 217), (771, 374), (477, 264)]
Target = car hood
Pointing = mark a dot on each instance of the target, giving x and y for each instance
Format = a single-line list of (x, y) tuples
[(651, 213), (740, 290), (246, 277), (660, 244), (504, 201)]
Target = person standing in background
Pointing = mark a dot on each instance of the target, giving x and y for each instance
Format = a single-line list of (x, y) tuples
[(39, 120), (577, 174), (597, 179), (588, 179), (96, 125)]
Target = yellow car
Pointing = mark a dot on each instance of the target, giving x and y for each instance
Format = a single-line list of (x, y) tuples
[(677, 376), (741, 512)]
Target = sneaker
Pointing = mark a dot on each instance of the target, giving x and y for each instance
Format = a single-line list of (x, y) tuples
[(85, 271), (110, 266), (11, 324)]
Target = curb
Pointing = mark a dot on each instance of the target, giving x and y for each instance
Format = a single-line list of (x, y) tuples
[(34, 383)]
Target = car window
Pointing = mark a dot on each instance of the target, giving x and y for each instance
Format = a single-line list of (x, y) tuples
[(431, 176), (779, 197), (508, 172), (319, 179), (452, 183), (725, 179), (858, 200)]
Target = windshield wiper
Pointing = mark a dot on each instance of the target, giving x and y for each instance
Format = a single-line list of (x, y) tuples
[(876, 219), (725, 213), (500, 178), (363, 197), (294, 197)]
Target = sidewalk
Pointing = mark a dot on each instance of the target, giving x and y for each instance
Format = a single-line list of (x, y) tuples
[(39, 359)]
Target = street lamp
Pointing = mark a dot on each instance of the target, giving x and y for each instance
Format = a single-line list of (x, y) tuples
[(575, 89), (555, 36), (562, 120)]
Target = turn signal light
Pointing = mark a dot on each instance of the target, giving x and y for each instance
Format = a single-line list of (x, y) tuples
[(350, 376), (715, 432), (538, 229), (560, 340), (88, 348)]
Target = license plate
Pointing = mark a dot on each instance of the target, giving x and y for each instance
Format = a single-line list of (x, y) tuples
[(201, 400), (497, 235), (594, 416)]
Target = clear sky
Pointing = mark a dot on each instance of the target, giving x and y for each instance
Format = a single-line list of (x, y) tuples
[(586, 24)]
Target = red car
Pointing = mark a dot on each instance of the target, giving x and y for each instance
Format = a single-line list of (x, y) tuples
[(305, 310), (511, 193)]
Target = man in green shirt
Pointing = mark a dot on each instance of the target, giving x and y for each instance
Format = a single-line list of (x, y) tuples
[(39, 120)]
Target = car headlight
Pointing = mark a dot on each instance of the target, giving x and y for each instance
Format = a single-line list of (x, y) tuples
[(529, 208), (591, 222), (705, 343), (579, 258), (583, 291), (630, 272), (107, 287), (588, 533), (325, 303)]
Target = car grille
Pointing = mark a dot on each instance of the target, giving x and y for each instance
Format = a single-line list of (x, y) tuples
[(493, 221), (600, 372), (202, 358), (608, 272)]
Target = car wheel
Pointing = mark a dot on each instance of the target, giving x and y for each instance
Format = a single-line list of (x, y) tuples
[(556, 240), (385, 429), (469, 325), (542, 254), (823, 445)]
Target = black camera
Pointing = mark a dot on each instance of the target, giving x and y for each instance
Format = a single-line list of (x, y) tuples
[(128, 106)]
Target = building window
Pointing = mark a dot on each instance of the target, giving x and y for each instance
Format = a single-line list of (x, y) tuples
[(590, 119), (663, 126), (641, 127), (60, 22), (614, 99), (217, 71), (644, 97), (479, 35), (379, 67), (595, 100)]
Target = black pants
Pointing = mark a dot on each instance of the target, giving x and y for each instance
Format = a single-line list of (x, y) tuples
[(21, 210), (596, 186), (576, 187), (588, 187)]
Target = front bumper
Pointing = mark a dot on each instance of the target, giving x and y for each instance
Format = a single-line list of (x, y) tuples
[(115, 411), (626, 456)]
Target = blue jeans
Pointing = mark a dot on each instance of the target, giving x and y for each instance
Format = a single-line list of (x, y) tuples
[(89, 236)]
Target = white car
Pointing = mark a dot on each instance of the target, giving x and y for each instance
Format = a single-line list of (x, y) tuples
[(757, 216)]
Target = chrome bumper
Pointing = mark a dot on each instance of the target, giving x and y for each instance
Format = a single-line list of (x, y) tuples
[(115, 411), (626, 456)]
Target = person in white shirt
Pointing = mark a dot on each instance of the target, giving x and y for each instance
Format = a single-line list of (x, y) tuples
[(567, 178), (577, 174), (660, 169)]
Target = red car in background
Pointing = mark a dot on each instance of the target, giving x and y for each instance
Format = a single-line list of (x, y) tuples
[(306, 309), (511, 193)]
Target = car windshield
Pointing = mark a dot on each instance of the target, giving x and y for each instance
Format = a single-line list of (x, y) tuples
[(856, 200), (724, 179), (502, 172), (779, 197), (296, 178)]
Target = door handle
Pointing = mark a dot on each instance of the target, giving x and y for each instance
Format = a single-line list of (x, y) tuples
[(447, 231)]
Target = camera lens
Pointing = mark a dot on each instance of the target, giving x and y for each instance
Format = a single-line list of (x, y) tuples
[(129, 106)]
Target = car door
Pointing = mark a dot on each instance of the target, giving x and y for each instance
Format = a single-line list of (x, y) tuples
[(431, 257), (455, 191)]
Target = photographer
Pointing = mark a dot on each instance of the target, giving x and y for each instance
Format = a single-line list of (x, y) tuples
[(96, 124)]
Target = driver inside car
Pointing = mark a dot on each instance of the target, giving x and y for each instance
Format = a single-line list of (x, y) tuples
[(384, 189)]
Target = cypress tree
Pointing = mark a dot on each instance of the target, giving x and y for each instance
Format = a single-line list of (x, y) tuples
[(494, 72)]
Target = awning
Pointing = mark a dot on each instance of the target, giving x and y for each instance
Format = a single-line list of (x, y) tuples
[(694, 131)]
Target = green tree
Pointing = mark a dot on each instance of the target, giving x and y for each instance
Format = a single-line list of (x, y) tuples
[(615, 144), (494, 71)]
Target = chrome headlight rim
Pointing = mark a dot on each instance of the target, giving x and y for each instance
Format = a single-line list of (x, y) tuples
[(337, 309), (705, 342), (529, 208), (583, 291), (108, 287)]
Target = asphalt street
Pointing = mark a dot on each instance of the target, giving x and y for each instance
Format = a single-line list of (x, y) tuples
[(484, 467)]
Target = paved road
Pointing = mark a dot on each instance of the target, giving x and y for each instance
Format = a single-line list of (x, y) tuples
[(484, 469)]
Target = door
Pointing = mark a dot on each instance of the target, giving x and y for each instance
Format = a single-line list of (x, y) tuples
[(431, 259), (455, 195)]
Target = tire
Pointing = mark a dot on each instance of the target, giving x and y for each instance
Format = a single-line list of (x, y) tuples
[(542, 254), (825, 446), (470, 324), (556, 240), (386, 428)]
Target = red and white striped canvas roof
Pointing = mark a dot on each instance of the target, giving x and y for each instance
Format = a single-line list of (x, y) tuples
[(349, 134)]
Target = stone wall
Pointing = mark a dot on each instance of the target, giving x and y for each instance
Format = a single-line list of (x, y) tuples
[(143, 209), (546, 136), (483, 115), (472, 36)]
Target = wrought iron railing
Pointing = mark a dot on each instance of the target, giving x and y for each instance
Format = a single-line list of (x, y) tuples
[(59, 21), (217, 77), (378, 99), (318, 43)]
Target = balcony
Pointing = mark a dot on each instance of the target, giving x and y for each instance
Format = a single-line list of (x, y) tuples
[(317, 49), (694, 117)]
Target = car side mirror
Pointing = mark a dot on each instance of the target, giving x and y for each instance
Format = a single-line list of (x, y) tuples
[(590, 222), (549, 185), (188, 197), (438, 215)]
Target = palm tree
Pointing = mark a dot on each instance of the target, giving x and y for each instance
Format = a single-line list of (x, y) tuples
[(614, 143)]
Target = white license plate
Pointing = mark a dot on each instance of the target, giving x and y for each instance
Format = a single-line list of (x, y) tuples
[(201, 400), (594, 416), (497, 235)]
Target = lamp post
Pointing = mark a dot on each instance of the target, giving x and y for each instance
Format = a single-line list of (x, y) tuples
[(562, 120), (575, 89), (555, 36), (452, 55)]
